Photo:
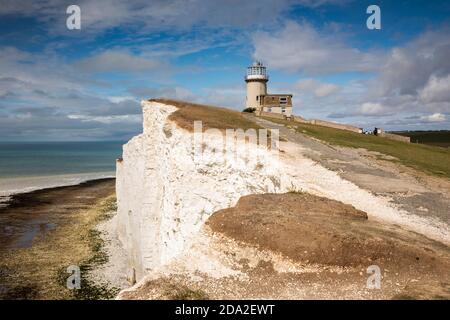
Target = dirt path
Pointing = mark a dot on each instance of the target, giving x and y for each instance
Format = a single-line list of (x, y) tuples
[(415, 192)]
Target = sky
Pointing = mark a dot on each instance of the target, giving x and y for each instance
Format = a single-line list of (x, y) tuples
[(87, 84)]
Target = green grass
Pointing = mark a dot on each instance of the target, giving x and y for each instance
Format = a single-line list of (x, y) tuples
[(434, 138), (425, 158), (184, 293), (90, 290)]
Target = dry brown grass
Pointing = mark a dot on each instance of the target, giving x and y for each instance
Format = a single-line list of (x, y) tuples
[(211, 117)]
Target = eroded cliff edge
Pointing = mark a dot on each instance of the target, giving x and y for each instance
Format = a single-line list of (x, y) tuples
[(165, 195)]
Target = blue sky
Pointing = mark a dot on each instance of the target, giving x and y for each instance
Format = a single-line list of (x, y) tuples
[(60, 84)]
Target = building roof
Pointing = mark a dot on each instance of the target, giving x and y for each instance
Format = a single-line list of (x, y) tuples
[(277, 94)]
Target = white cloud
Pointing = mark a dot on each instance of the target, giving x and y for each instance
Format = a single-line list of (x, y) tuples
[(416, 77), (116, 119), (231, 97), (145, 16), (319, 89), (44, 97), (172, 91), (326, 90), (371, 109), (435, 117), (119, 99), (301, 48), (120, 61), (411, 79), (436, 90)]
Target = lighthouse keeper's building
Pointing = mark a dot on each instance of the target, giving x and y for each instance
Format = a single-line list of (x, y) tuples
[(257, 96)]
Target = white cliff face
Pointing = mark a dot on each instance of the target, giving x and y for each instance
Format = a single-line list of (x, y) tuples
[(165, 193)]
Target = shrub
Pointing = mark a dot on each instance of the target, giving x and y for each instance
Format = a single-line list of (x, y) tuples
[(249, 110)]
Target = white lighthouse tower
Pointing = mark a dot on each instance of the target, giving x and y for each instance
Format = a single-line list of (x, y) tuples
[(256, 80)]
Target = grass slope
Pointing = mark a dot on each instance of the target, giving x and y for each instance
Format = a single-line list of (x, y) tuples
[(434, 138), (426, 158), (211, 117)]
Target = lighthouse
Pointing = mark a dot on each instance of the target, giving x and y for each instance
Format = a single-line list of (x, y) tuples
[(257, 96), (256, 80)]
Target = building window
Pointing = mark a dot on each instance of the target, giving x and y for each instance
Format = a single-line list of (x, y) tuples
[(257, 98), (283, 100), (283, 109), (269, 109)]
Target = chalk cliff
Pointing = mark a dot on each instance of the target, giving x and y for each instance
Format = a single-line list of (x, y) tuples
[(166, 193)]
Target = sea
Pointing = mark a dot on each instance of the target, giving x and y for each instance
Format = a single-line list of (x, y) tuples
[(28, 166)]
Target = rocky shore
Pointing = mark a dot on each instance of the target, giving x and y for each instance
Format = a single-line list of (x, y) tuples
[(44, 232)]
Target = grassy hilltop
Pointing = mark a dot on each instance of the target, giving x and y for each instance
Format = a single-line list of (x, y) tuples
[(430, 159), (211, 116), (427, 158)]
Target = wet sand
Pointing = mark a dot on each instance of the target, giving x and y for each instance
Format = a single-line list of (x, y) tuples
[(44, 231), (19, 185)]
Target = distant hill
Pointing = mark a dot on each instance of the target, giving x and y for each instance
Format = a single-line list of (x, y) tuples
[(436, 138)]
